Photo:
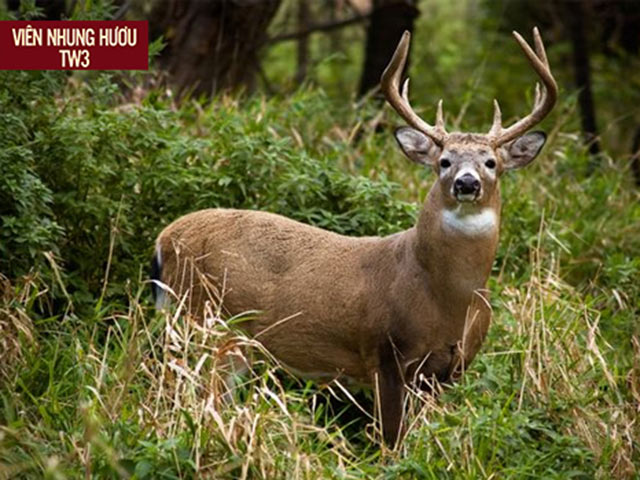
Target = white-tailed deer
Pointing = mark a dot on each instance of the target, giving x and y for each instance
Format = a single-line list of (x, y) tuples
[(384, 311)]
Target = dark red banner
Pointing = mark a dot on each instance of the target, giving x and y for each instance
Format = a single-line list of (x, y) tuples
[(74, 45)]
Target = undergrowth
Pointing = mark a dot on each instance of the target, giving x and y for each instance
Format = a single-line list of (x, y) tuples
[(95, 383), (140, 393)]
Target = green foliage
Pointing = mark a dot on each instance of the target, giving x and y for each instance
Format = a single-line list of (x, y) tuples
[(82, 175), (28, 225)]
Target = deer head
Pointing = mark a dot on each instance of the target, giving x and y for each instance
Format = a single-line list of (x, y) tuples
[(470, 164)]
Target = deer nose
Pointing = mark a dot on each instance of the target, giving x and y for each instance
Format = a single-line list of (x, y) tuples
[(466, 184)]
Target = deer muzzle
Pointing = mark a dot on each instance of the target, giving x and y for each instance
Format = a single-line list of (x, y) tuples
[(466, 187)]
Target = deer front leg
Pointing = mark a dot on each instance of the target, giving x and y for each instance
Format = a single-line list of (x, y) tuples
[(475, 330), (389, 384)]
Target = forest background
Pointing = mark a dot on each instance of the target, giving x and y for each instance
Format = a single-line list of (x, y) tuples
[(273, 105)]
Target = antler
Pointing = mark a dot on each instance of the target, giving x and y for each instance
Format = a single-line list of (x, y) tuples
[(543, 103), (390, 82)]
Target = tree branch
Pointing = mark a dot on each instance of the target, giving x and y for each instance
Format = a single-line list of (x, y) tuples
[(321, 27)]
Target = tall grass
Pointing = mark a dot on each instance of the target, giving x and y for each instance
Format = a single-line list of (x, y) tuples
[(117, 389), (143, 393)]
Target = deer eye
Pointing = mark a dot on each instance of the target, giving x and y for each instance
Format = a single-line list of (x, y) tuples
[(491, 163), (445, 163)]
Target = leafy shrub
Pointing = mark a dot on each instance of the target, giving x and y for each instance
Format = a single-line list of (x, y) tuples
[(83, 178), (27, 222)]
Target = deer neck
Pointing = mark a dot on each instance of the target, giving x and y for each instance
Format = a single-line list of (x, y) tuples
[(456, 244)]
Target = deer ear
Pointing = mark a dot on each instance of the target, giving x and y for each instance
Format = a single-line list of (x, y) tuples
[(417, 146), (521, 151)]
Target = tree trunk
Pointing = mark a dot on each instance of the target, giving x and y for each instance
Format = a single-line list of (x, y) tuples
[(303, 41), (389, 19), (575, 15), (212, 45), (635, 157)]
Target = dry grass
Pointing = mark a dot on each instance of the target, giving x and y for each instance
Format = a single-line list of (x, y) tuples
[(16, 328), (166, 377)]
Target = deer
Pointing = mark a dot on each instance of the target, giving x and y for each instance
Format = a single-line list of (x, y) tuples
[(388, 312)]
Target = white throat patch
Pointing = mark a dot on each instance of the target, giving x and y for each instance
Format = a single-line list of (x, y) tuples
[(469, 223)]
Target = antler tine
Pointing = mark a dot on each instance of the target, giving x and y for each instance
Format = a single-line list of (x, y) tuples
[(497, 119), (540, 50), (545, 98), (389, 84), (440, 117), (405, 90), (538, 97)]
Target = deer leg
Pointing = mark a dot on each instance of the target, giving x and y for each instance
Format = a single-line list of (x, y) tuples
[(233, 364), (390, 395)]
